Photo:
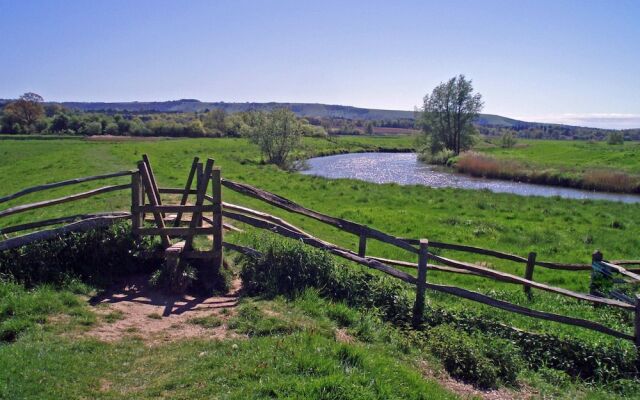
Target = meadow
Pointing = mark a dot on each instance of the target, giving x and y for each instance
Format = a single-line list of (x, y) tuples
[(557, 229)]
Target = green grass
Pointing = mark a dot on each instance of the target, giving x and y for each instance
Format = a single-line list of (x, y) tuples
[(557, 229)]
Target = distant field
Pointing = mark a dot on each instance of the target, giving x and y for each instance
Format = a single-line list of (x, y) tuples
[(571, 155)]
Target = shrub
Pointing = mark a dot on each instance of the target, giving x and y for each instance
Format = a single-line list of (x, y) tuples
[(441, 157), (97, 256), (478, 360), (508, 140), (286, 268), (615, 138), (275, 271)]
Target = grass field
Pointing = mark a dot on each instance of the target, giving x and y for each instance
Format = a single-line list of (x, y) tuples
[(572, 155), (557, 229)]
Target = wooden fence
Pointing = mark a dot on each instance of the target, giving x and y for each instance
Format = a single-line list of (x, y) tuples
[(169, 223)]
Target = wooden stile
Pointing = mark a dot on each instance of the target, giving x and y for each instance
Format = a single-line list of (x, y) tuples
[(152, 178), (202, 189), (636, 323), (137, 200)]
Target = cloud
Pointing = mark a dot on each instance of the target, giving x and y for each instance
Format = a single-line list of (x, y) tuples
[(594, 120)]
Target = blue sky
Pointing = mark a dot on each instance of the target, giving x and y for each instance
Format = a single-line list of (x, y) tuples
[(558, 61)]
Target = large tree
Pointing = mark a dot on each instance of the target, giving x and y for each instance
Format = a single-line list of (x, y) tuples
[(25, 111), (277, 133), (448, 113)]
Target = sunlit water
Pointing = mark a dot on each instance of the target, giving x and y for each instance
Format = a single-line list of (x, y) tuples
[(405, 169)]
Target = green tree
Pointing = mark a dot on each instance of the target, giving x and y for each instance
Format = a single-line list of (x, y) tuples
[(448, 113), (25, 111), (277, 133), (369, 128), (615, 138), (508, 139)]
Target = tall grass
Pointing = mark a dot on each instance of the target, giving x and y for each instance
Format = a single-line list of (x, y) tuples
[(485, 166)]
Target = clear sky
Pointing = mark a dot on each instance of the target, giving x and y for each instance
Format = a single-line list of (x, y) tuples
[(558, 61)]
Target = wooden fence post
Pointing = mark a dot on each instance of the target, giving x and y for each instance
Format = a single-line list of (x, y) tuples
[(528, 274), (362, 245), (199, 177), (418, 308), (137, 200), (595, 257), (152, 178), (637, 324), (151, 195), (216, 193)]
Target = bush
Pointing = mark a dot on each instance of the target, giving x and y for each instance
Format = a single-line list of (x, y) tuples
[(442, 157), (615, 138), (508, 140), (98, 257), (285, 263), (286, 268), (478, 360)]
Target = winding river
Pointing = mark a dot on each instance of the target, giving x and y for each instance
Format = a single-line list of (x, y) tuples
[(405, 169)]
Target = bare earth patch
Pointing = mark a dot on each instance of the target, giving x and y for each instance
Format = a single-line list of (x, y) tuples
[(157, 317)]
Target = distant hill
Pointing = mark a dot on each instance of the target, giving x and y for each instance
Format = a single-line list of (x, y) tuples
[(488, 124)]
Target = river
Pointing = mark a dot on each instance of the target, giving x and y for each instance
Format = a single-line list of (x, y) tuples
[(405, 169)]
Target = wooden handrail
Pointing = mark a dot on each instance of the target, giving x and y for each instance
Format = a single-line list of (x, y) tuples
[(74, 181), (55, 221)]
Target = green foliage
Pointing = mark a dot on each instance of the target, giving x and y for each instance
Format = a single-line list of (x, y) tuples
[(448, 114), (508, 140), (98, 256), (442, 157), (277, 133), (615, 138), (284, 268), (209, 321)]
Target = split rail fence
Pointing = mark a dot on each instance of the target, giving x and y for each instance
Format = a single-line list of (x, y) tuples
[(169, 223)]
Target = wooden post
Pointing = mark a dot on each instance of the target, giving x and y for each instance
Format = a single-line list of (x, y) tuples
[(418, 309), (152, 178), (187, 188), (137, 200), (637, 324), (595, 257), (362, 245), (144, 174), (528, 274), (202, 190), (216, 193), (199, 177)]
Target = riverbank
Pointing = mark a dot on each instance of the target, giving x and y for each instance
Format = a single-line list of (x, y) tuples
[(604, 180)]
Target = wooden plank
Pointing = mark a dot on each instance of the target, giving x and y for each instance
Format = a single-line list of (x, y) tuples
[(315, 242), (80, 226), (173, 231), (152, 179), (74, 181), (528, 273), (164, 190), (148, 188), (176, 208), (432, 267), (187, 189), (470, 249), (622, 271), (480, 298), (61, 220), (340, 223), (418, 307), (199, 178), (262, 215), (506, 277), (137, 200), (73, 197), (202, 189)]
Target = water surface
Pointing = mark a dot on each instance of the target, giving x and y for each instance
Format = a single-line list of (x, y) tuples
[(405, 169)]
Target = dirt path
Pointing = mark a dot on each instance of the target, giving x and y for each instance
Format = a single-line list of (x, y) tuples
[(133, 308)]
